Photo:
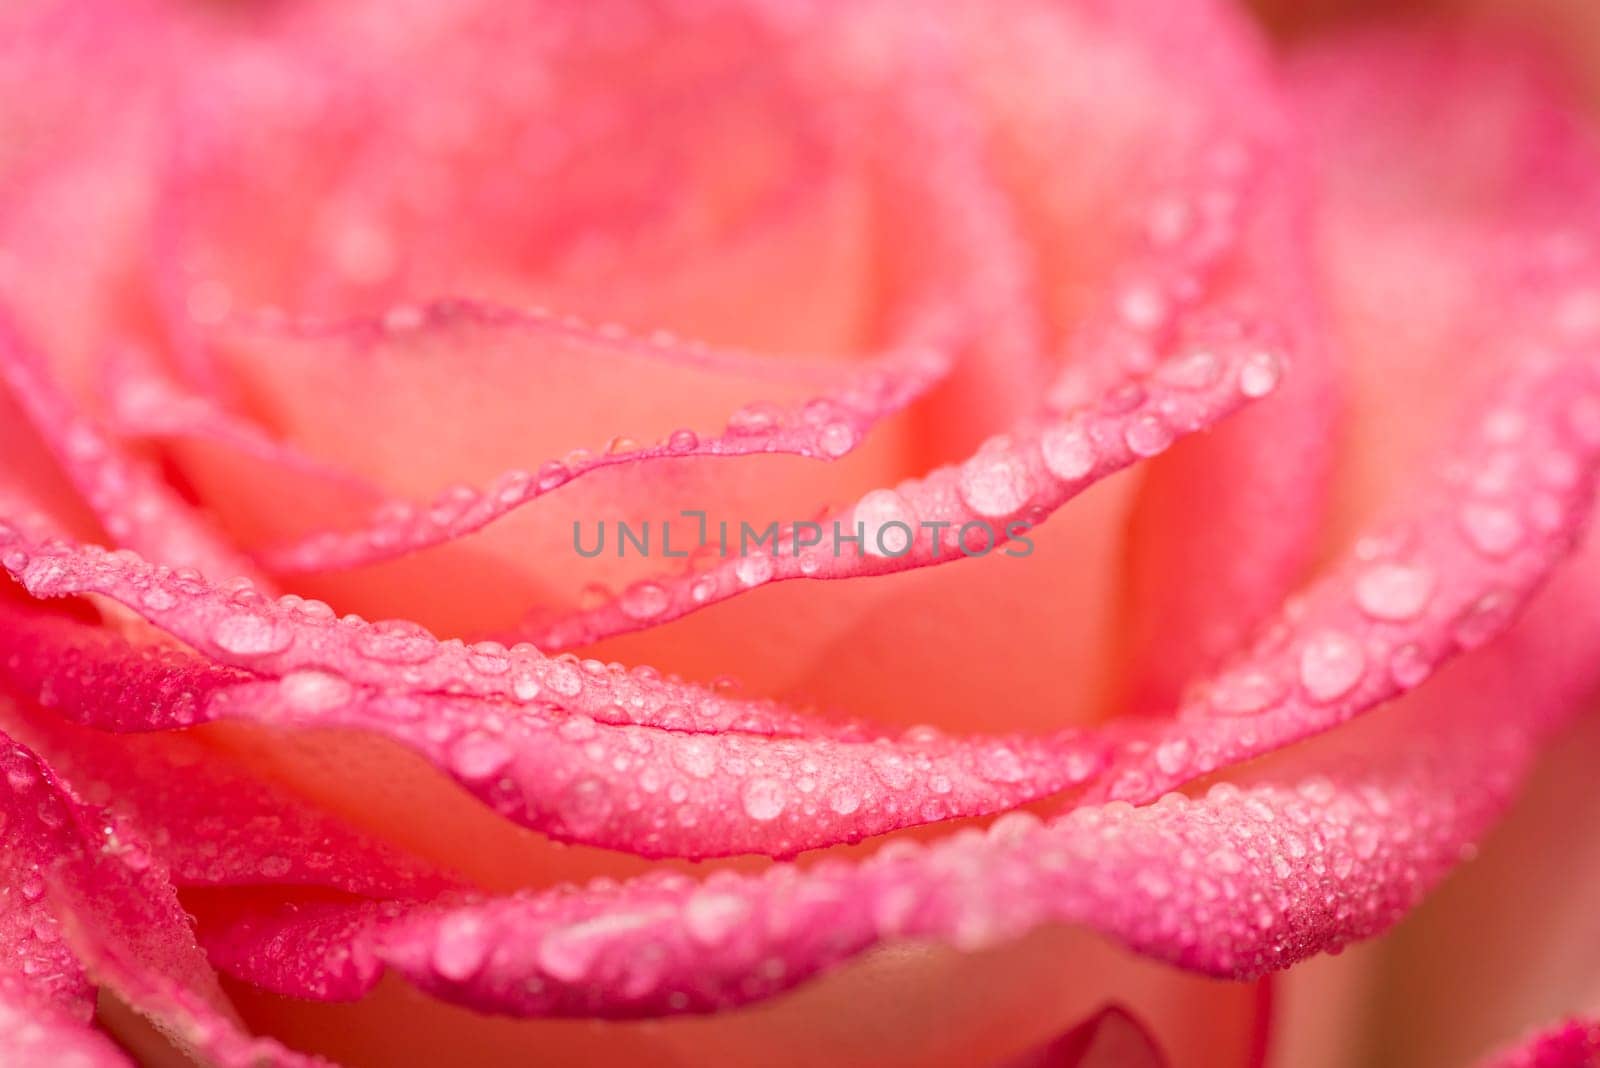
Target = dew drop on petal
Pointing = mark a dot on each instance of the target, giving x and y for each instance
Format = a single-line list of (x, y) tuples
[(644, 600), (1331, 664), (1490, 614), (1142, 307), (1408, 666), (564, 679), (994, 483), (753, 570), (585, 806), (275, 867), (1492, 529), (568, 953), (158, 599), (315, 691), (460, 947), (478, 756), (697, 756), (552, 473), (1172, 756), (525, 687), (763, 799), (1260, 374), (1196, 370), (489, 658), (1245, 693), (397, 642), (1147, 435), (251, 635), (1394, 592), (710, 917), (888, 525), (836, 439), (1068, 450)]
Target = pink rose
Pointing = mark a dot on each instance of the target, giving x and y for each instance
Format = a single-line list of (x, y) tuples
[(369, 663)]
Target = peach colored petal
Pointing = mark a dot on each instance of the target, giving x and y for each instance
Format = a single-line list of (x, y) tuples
[(651, 790)]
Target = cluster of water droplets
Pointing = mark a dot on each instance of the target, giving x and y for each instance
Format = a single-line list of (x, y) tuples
[(1446, 577)]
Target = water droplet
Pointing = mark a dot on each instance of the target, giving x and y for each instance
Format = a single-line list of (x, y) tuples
[(1260, 374), (1142, 307), (1394, 592), (552, 473), (460, 947), (1493, 530), (888, 525), (1486, 618), (844, 801), (568, 953), (710, 917), (893, 769), (1409, 666), (478, 756), (585, 807), (315, 691), (697, 757), (645, 600), (1196, 370), (1364, 839), (1172, 756), (1331, 664), (836, 439), (489, 658), (251, 635), (397, 642), (525, 687), (1244, 693), (1068, 450), (158, 599), (275, 867), (1147, 435), (564, 679), (683, 441), (753, 570), (763, 799), (994, 483), (1001, 763), (753, 419)]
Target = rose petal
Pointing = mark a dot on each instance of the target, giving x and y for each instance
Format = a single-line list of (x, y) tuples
[(105, 908), (219, 824), (649, 790)]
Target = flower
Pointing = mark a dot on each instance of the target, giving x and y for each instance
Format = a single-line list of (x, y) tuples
[(1136, 472)]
